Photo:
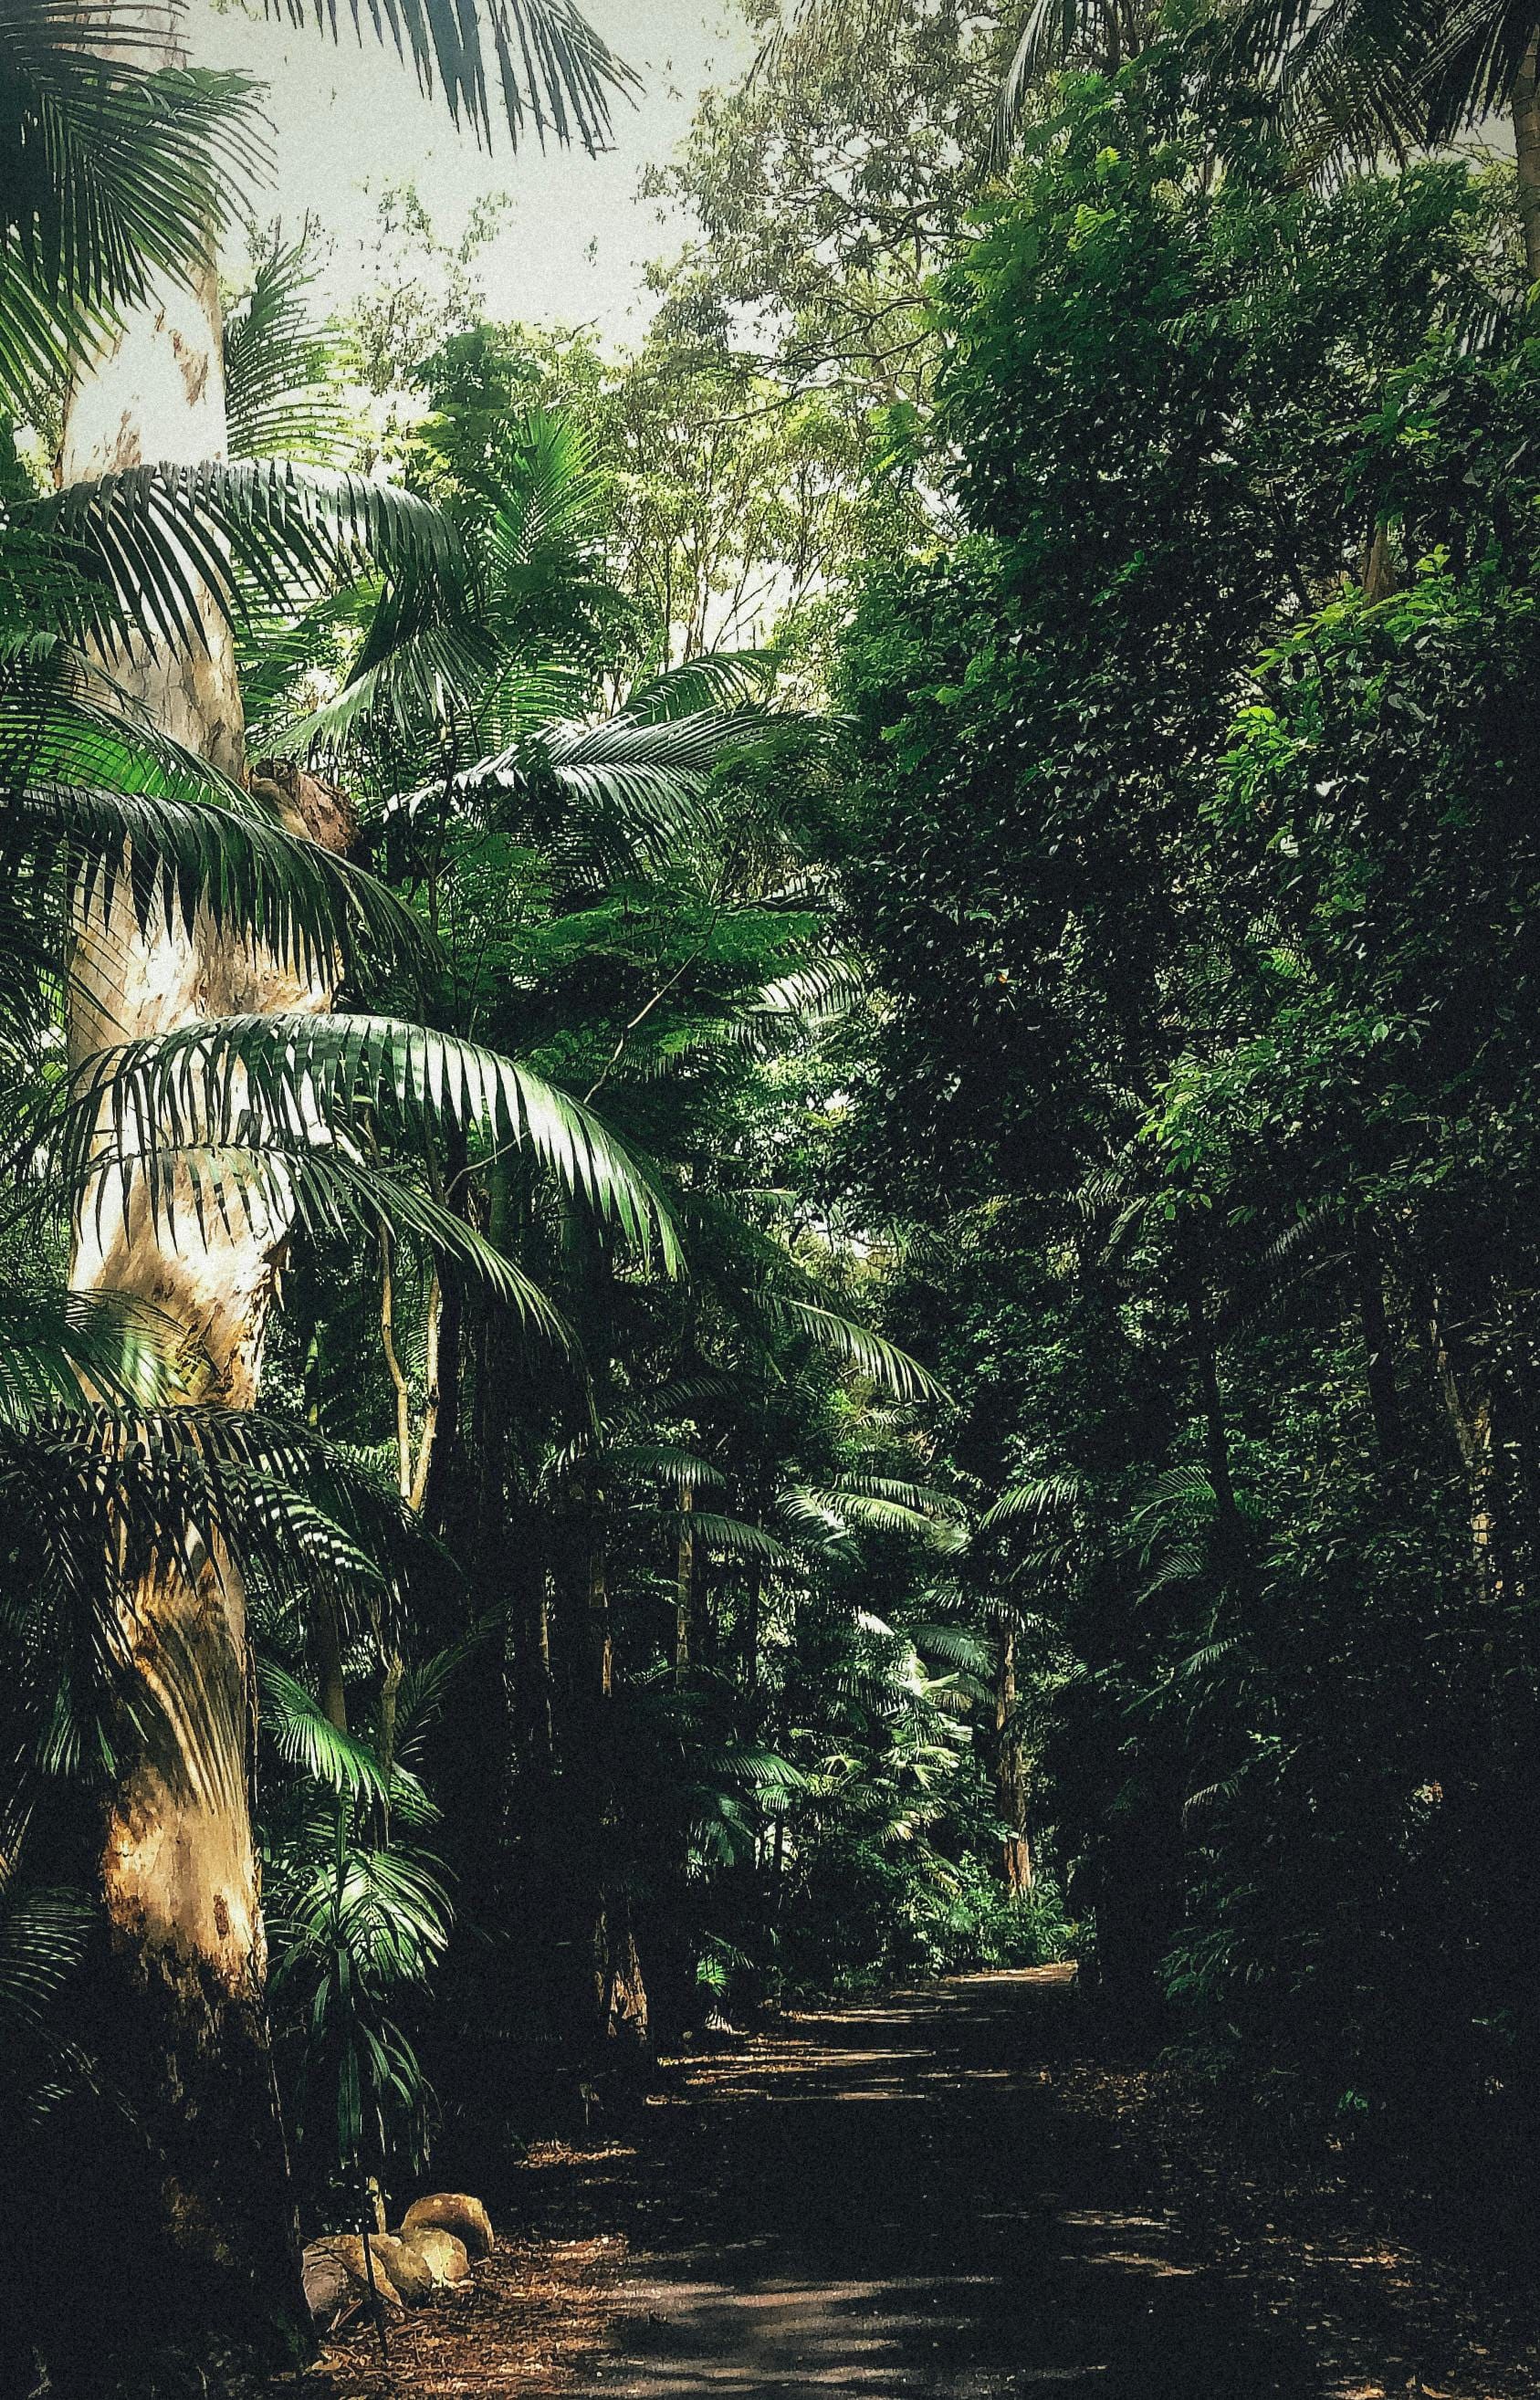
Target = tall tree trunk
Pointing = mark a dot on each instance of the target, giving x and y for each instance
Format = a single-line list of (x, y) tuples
[(684, 1602), (1465, 1384), (201, 2214), (601, 1640), (1525, 101), (754, 1587), (622, 2022), (1015, 1858), (1230, 1523)]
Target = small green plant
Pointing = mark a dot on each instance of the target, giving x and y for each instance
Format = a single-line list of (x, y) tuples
[(359, 1919)]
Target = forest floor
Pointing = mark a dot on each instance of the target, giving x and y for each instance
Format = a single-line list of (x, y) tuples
[(935, 2196)]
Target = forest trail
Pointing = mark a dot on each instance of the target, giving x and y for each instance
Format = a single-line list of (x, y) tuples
[(884, 2200), (931, 2197)]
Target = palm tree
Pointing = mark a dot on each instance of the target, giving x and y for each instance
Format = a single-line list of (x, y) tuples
[(106, 261), (178, 1152), (1103, 35), (1364, 76), (1354, 78)]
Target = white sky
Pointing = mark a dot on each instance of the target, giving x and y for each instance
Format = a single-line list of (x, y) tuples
[(348, 118)]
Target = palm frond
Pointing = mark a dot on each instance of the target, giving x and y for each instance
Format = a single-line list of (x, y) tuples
[(1045, 1496), (153, 546), (114, 167), (954, 1645), (1177, 1491), (326, 1187), (54, 1346), (224, 1473), (281, 399), (1054, 35), (552, 71), (811, 997), (306, 1737), (879, 1512), (228, 858), (451, 656), (45, 1936), (920, 1499), (1183, 1564), (670, 1462), (721, 679), (816, 1519), (737, 1539), (881, 1361), (220, 1079), (652, 776)]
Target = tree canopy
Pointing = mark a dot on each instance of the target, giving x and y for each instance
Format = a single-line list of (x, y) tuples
[(769, 1156)]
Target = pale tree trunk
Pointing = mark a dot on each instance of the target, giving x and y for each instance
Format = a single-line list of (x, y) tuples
[(1015, 1858), (684, 1602), (210, 2257), (1468, 1399), (622, 2018)]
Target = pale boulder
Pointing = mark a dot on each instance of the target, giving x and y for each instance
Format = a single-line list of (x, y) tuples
[(452, 2212), (444, 2254), (347, 2250), (408, 2271)]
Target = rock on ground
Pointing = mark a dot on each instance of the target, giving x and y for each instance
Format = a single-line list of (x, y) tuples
[(454, 2212), (444, 2254)]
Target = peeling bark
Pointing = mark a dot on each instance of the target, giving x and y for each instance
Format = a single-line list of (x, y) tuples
[(191, 2192)]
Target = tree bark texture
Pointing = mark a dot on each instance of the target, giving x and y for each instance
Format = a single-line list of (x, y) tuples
[(1465, 1382), (214, 2245)]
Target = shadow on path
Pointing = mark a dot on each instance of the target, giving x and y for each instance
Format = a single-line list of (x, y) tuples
[(885, 2202)]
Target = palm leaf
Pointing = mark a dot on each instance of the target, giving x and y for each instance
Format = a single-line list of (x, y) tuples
[(1047, 1495), (737, 1539), (45, 1937), (305, 1736), (281, 399), (552, 71), (112, 168), (54, 1345), (669, 1461), (721, 679), (240, 1189), (650, 779), (954, 1645), (881, 1361), (816, 1519), (230, 859), (875, 1512), (216, 1080), (1053, 34), (155, 545)]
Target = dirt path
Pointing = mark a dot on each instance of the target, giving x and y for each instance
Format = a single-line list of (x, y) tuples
[(917, 2200), (909, 2215)]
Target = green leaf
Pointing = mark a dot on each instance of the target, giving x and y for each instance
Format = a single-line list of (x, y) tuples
[(223, 1080), (551, 69), (304, 1736)]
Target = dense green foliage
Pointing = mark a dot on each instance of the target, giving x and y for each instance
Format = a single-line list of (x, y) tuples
[(1192, 852), (909, 1257)]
